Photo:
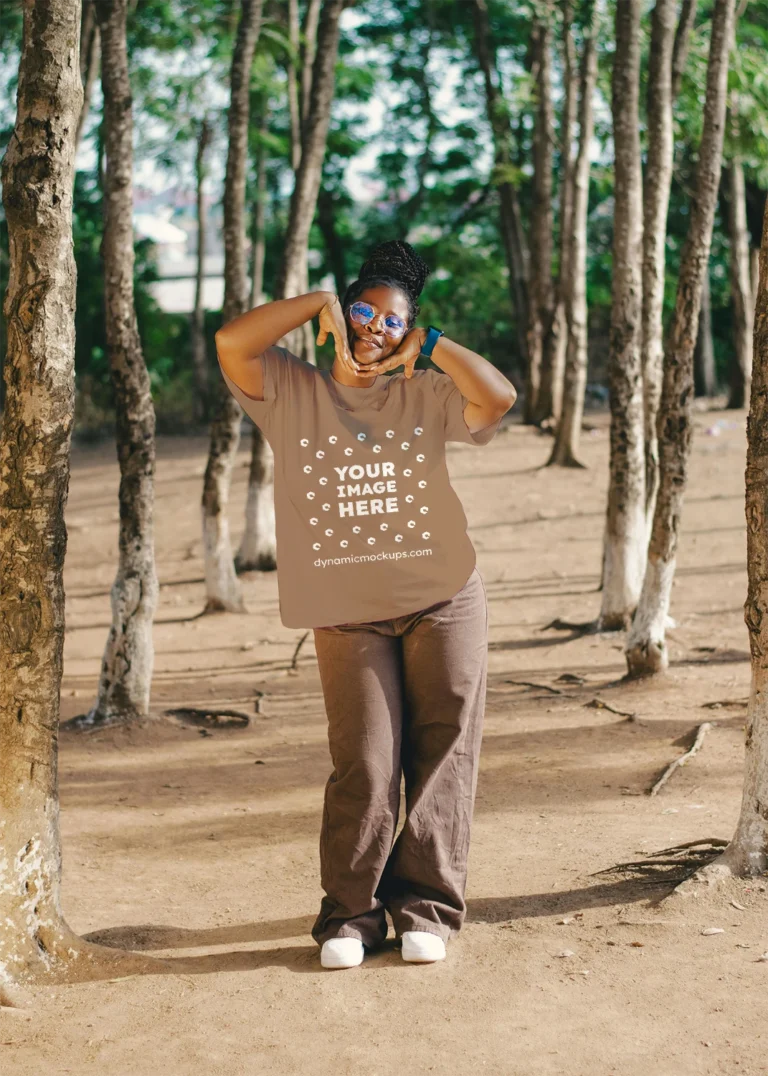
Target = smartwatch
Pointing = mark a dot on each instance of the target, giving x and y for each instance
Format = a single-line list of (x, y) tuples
[(433, 335)]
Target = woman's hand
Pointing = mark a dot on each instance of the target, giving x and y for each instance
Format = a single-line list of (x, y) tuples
[(406, 354), (332, 321)]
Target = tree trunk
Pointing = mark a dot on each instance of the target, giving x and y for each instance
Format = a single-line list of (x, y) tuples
[(334, 247), (259, 211), (565, 452), (646, 648), (747, 853), (36, 944), (222, 587), (293, 89), (199, 349), (257, 548), (538, 397), (512, 232), (625, 529), (90, 58), (126, 670), (656, 190), (556, 341), (741, 288), (705, 383), (307, 52)]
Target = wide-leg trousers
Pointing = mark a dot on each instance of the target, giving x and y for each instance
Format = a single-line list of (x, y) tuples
[(403, 697)]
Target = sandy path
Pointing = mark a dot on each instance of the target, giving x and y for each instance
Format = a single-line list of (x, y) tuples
[(204, 848)]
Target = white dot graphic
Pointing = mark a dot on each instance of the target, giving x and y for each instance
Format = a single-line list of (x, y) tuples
[(320, 454), (418, 431), (421, 457), (313, 521), (371, 541), (344, 543), (310, 496), (377, 448), (422, 484), (332, 439), (390, 433), (411, 522), (347, 451), (316, 545), (424, 510), (384, 527), (307, 469), (326, 507), (405, 444), (407, 472), (303, 442), (398, 537), (355, 530), (425, 534), (361, 437), (329, 532), (324, 482), (409, 498)]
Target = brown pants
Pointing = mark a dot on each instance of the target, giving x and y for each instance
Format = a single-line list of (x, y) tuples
[(402, 695)]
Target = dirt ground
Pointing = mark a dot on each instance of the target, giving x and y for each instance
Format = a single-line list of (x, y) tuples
[(203, 847)]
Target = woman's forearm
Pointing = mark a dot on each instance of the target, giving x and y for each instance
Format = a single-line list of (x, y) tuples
[(477, 379), (250, 334)]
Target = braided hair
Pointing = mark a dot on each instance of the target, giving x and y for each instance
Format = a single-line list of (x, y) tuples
[(394, 264)]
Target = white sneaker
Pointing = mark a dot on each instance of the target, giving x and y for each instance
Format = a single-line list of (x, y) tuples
[(421, 947), (342, 953)]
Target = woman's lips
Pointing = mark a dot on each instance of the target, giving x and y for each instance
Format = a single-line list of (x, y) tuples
[(371, 345)]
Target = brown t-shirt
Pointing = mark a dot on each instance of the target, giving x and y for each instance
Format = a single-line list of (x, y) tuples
[(368, 526)]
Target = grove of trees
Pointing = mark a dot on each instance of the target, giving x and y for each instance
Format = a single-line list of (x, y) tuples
[(587, 179)]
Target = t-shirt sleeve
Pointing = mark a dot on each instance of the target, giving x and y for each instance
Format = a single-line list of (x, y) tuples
[(452, 402), (277, 374)]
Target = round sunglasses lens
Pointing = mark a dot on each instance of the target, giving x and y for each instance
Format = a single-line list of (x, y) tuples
[(361, 313)]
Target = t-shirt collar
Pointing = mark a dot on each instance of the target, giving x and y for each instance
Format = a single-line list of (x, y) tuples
[(356, 397)]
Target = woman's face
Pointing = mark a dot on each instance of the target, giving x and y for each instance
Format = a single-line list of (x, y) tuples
[(370, 343)]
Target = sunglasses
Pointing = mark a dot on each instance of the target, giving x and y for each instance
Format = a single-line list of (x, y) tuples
[(362, 313)]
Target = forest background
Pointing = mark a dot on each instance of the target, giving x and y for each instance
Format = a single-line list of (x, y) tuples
[(409, 154)]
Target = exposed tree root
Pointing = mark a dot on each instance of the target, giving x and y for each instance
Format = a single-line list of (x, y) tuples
[(688, 858), (586, 627), (212, 719), (701, 732)]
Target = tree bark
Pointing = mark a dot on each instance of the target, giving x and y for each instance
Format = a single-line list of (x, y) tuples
[(565, 452), (556, 341), (199, 349), (90, 58), (656, 191), (646, 649), (747, 853), (38, 168), (334, 247), (259, 211), (705, 383), (539, 394), (625, 530), (222, 586), (741, 288), (126, 669), (513, 236)]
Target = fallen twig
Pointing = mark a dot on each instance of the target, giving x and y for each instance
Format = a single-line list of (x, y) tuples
[(701, 732), (599, 704), (718, 703), (528, 683), (295, 658)]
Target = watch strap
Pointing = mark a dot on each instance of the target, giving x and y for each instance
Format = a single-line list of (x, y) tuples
[(433, 335)]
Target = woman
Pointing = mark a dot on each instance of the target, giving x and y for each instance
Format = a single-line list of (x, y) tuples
[(374, 556)]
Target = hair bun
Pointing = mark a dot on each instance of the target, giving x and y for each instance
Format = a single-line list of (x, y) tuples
[(398, 260)]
